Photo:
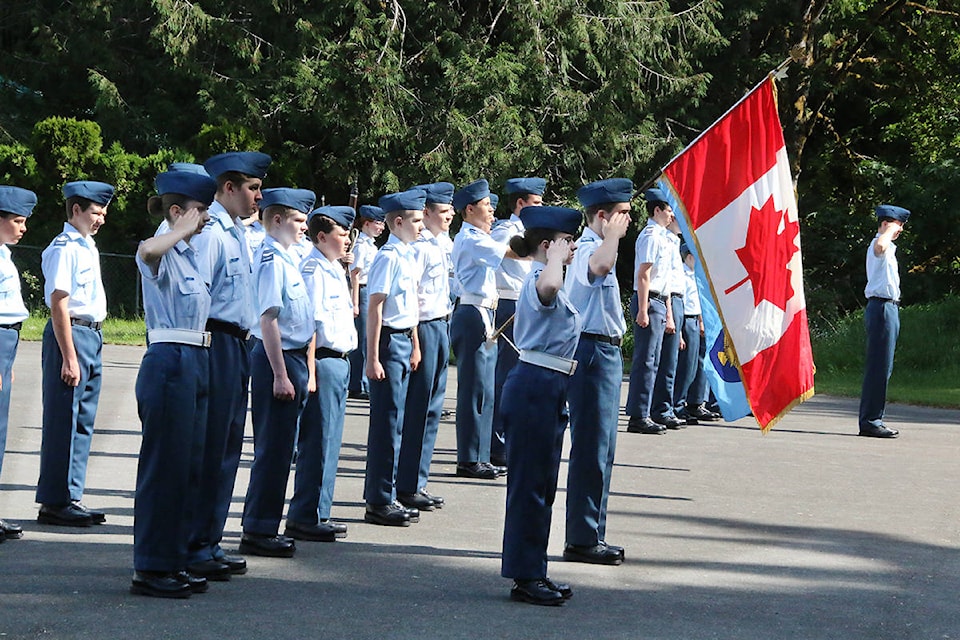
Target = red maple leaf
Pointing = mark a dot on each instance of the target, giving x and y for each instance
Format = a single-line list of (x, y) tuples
[(767, 252)]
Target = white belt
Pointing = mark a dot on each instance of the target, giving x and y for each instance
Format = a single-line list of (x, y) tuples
[(547, 361), (478, 301), (180, 336), (508, 294)]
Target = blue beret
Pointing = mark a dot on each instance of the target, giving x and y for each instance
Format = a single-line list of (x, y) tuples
[(409, 200), (19, 202), (201, 188), (604, 191), (249, 163), (556, 218), (437, 192), (372, 212), (494, 201), (526, 185), (473, 192), (341, 214), (655, 195), (300, 199), (188, 166), (98, 192), (892, 211)]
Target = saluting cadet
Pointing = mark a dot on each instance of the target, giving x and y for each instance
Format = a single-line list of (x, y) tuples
[(661, 410), (428, 382), (16, 205), (172, 389), (224, 262), (72, 348), (393, 350), (594, 394), (648, 306), (882, 320), (547, 328), (476, 256), (364, 250), (521, 192), (279, 368), (321, 424)]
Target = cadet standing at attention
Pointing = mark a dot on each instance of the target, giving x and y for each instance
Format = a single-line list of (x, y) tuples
[(16, 205), (521, 192), (224, 262), (364, 250), (279, 368), (172, 389), (591, 283), (428, 382), (321, 424), (672, 344), (476, 257), (535, 401), (72, 349)]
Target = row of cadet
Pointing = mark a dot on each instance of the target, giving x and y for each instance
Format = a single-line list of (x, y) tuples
[(206, 292)]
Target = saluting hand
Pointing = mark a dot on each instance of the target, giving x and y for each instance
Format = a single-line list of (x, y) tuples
[(616, 225)]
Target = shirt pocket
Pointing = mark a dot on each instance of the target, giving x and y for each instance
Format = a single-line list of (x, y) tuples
[(301, 312), (84, 285), (189, 299), (233, 280)]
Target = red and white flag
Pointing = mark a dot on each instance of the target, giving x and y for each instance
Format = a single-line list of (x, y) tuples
[(736, 194)]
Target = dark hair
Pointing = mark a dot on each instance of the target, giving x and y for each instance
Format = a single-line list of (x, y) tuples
[(320, 223), (83, 202), (160, 205), (592, 211), (651, 205), (235, 177), (527, 244)]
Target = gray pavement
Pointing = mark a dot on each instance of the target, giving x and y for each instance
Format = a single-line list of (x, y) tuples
[(806, 532)]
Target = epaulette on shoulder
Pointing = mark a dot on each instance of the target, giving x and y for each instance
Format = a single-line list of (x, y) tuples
[(210, 223), (61, 240), (648, 229), (308, 267), (267, 256)]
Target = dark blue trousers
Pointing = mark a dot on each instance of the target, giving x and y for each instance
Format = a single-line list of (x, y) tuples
[(882, 321), (226, 419), (358, 357), (593, 397), (646, 357), (9, 339), (387, 400), (172, 394), (535, 412), (476, 371), (318, 444), (506, 357), (667, 370), (687, 362), (421, 415), (274, 434), (68, 416)]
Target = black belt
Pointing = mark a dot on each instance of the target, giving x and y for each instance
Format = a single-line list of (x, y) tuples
[(362, 285), (599, 337), (390, 331), (656, 295), (86, 323), (438, 318), (323, 352), (676, 295), (16, 326), (879, 299), (299, 350), (227, 327), (695, 315)]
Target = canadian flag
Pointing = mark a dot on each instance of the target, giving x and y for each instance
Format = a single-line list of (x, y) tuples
[(736, 195)]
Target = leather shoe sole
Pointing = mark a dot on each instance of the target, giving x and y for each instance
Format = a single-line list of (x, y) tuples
[(599, 554)]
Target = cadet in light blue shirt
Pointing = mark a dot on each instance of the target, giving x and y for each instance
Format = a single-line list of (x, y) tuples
[(16, 205), (72, 346), (279, 368), (364, 250)]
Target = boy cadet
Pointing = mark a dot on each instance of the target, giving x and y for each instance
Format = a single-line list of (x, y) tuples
[(224, 263), (72, 346), (662, 409), (364, 250), (16, 205), (476, 257), (393, 349), (521, 192), (279, 368), (648, 306), (690, 391), (882, 320), (321, 424), (591, 283), (428, 382)]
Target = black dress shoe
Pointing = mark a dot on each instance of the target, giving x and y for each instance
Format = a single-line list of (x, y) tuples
[(670, 422), (645, 425), (598, 554), (700, 412), (416, 501), (66, 515), (197, 584), (236, 564), (684, 415), (268, 546), (339, 528), (561, 588), (388, 515), (477, 470), (498, 461), (436, 500), (358, 395), (871, 431), (211, 570), (412, 512), (10, 530), (614, 547), (96, 517), (158, 584), (313, 532), (500, 469), (536, 592)]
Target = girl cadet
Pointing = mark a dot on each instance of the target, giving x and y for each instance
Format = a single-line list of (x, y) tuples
[(16, 205), (172, 388), (546, 331)]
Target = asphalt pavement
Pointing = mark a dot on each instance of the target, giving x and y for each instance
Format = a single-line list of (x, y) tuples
[(806, 532)]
